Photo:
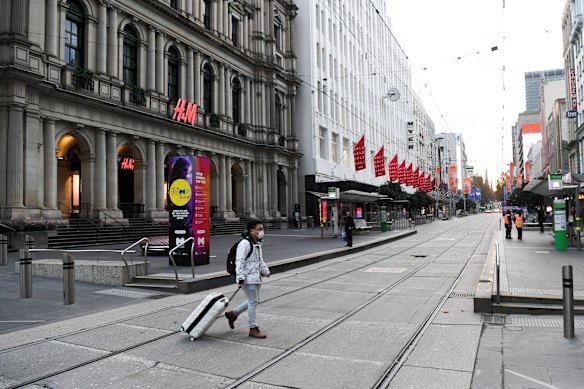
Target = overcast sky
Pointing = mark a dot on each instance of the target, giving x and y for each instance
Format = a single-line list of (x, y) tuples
[(460, 79)]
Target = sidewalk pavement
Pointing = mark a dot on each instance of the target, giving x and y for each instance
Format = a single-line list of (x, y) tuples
[(530, 351), (47, 306)]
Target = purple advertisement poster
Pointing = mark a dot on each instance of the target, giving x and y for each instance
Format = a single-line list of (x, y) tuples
[(188, 206), (202, 209)]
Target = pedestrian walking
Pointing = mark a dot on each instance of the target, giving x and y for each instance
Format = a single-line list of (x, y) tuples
[(349, 225), (248, 274), (540, 218), (508, 225), (519, 224)]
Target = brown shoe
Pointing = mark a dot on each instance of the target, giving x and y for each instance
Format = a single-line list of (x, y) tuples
[(231, 317), (255, 333)]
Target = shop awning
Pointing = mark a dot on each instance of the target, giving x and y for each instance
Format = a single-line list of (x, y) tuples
[(540, 187), (355, 196), (358, 196)]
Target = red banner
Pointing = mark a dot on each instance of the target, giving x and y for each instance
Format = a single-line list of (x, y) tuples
[(527, 171), (359, 154), (416, 178), (379, 162), (401, 173), (452, 177), (519, 180), (429, 183), (393, 176), (409, 175), (467, 185)]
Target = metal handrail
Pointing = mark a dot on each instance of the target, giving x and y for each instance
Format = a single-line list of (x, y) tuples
[(105, 213), (174, 262), (59, 204), (8, 228), (124, 251)]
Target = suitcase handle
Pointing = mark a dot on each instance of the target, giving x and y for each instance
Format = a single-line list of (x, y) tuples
[(233, 295)]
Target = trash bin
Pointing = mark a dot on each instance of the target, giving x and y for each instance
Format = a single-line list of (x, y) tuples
[(383, 226)]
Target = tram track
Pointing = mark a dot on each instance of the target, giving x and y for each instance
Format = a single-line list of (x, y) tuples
[(386, 377)]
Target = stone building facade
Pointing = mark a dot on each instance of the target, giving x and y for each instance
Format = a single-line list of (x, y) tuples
[(88, 90)]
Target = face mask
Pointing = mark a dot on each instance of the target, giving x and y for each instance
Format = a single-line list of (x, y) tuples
[(261, 234)]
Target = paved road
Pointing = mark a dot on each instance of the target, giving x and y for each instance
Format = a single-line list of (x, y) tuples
[(402, 311)]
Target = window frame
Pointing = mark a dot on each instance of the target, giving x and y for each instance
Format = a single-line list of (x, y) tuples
[(173, 72), (75, 16), (130, 45)]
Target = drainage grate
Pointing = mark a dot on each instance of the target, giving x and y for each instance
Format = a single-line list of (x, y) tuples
[(493, 318), (419, 255), (131, 293), (551, 292), (461, 295), (542, 322)]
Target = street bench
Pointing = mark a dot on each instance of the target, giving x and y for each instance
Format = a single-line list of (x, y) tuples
[(361, 225)]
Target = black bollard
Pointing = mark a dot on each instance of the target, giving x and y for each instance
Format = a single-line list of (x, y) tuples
[(568, 301), (25, 274), (28, 242), (68, 279), (3, 250)]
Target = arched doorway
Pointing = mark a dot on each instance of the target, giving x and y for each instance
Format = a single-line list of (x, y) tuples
[(237, 195), (130, 181), (70, 176), (282, 193)]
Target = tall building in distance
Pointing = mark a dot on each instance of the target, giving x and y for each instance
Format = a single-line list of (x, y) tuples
[(533, 81)]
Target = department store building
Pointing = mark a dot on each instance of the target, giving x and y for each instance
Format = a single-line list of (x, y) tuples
[(96, 95)]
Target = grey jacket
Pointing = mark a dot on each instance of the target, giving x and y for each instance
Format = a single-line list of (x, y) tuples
[(253, 268)]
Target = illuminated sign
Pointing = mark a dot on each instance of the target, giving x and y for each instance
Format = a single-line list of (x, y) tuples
[(127, 164), (185, 113)]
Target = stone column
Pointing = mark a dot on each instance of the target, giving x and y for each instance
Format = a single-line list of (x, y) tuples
[(274, 186), (63, 13), (51, 28), (265, 185), (102, 39), (143, 55), (197, 71), (220, 20), (101, 169), (222, 186), (151, 67), (159, 63), (112, 63), (121, 55), (160, 194), (248, 181), (228, 185), (228, 100), (91, 54), (50, 162), (33, 183), (189, 8), (248, 100), (190, 74), (294, 179), (3, 150), (221, 89), (182, 78), (245, 33), (151, 176), (14, 157), (112, 171), (19, 18)]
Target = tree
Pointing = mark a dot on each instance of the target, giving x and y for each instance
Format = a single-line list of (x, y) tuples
[(393, 190), (420, 199)]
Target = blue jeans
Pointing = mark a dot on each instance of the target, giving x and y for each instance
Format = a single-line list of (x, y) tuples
[(252, 291)]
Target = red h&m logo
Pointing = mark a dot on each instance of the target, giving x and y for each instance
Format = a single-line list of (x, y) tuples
[(127, 164), (185, 115)]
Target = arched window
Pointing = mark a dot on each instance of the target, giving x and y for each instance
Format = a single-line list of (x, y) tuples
[(278, 114), (74, 34), (174, 4), (173, 59), (130, 55), (208, 88), (236, 101)]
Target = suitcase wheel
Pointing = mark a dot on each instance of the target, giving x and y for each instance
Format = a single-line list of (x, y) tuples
[(193, 339)]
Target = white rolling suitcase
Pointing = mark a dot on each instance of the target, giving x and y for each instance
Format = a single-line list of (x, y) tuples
[(209, 310)]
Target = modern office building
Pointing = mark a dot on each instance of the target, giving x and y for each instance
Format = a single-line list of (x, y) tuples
[(533, 81), (96, 95), (355, 82)]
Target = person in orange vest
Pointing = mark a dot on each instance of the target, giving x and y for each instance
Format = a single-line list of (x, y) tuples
[(519, 224), (508, 224)]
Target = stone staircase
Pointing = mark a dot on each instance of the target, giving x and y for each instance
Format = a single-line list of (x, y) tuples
[(82, 233)]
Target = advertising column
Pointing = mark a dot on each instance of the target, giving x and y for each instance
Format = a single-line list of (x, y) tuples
[(560, 225), (188, 206)]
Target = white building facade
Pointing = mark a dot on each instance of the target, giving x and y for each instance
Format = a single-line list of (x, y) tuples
[(355, 81)]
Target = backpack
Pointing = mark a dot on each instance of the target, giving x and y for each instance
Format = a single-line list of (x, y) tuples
[(231, 254)]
